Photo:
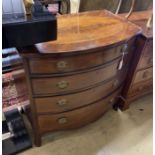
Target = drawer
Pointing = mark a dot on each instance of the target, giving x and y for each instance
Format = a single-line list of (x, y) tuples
[(76, 118), (141, 88), (148, 49), (65, 84), (46, 65), (145, 62), (63, 103), (143, 75)]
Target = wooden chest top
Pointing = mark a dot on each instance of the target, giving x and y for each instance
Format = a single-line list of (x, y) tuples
[(89, 30), (140, 18)]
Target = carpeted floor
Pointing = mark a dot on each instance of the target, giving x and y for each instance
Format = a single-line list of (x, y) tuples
[(14, 87), (116, 133)]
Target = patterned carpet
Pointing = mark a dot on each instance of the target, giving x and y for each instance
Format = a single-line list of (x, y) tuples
[(14, 87), (14, 92)]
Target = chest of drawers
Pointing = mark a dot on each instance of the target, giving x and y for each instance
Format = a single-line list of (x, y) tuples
[(141, 71), (76, 79)]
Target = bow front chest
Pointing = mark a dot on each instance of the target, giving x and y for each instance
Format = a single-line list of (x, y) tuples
[(77, 78)]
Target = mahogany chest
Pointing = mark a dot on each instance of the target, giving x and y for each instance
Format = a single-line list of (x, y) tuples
[(140, 79), (77, 78)]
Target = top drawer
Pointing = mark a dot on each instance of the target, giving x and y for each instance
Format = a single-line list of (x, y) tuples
[(69, 84), (148, 49), (146, 59), (44, 65)]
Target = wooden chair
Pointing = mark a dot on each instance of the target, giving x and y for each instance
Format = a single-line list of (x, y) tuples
[(148, 24), (89, 5), (115, 6), (140, 5)]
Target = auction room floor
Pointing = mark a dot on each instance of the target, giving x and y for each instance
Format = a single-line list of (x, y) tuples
[(116, 133)]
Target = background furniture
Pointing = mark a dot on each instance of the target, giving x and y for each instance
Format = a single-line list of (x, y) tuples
[(111, 5), (15, 137), (140, 77), (75, 79), (90, 5), (140, 5)]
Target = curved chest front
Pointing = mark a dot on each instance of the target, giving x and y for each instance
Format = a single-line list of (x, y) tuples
[(74, 82)]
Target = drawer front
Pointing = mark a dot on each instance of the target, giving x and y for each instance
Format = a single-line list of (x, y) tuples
[(147, 56), (141, 88), (143, 75), (57, 85), (146, 62), (76, 118), (73, 63), (148, 49), (69, 102)]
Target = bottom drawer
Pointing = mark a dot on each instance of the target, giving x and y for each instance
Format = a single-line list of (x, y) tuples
[(141, 88), (76, 118)]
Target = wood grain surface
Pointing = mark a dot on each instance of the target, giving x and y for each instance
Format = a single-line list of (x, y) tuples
[(140, 75), (68, 102), (89, 30), (52, 65), (76, 82), (78, 117), (140, 18), (77, 69)]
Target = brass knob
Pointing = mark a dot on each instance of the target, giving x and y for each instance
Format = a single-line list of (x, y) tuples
[(145, 74), (112, 100), (116, 83), (140, 88), (62, 120), (124, 49), (62, 102), (61, 65), (62, 84), (150, 61)]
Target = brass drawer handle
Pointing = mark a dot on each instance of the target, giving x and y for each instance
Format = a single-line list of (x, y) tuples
[(62, 120), (124, 49), (150, 61), (140, 88), (61, 65), (112, 100), (145, 74), (62, 84), (62, 102), (116, 83)]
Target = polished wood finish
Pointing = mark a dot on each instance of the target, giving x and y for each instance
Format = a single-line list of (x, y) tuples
[(139, 89), (41, 65), (88, 30), (143, 75), (67, 102), (78, 117), (140, 79), (74, 80)]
